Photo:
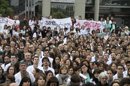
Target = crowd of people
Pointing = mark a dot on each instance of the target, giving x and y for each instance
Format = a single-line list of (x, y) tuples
[(31, 55)]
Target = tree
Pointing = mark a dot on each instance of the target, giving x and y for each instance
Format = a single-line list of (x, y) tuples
[(58, 13), (5, 9)]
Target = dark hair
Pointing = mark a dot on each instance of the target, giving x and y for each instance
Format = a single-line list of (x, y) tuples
[(70, 62), (53, 80), (85, 61), (89, 72), (125, 81), (114, 82), (86, 66), (121, 66), (7, 72), (75, 80), (88, 84), (49, 71), (76, 63), (37, 72), (128, 62), (25, 79), (40, 75), (96, 71), (45, 58)]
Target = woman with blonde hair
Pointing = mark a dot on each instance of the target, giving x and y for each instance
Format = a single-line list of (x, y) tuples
[(63, 75)]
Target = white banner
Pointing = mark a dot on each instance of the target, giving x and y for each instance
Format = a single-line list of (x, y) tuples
[(5, 21), (93, 25), (10, 22), (2, 27), (66, 22)]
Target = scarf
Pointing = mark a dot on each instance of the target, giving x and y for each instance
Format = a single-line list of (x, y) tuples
[(62, 78)]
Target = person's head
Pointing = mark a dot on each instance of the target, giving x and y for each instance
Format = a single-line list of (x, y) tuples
[(101, 66), (70, 70), (84, 68), (68, 62), (77, 59), (96, 73), (115, 83), (27, 56), (65, 56), (63, 70), (35, 59), (11, 70), (36, 72), (113, 54), (46, 52), (57, 60), (53, 81), (125, 82), (103, 77), (77, 70), (12, 44), (6, 59), (75, 80), (13, 59), (49, 74), (128, 52), (31, 48), (99, 48), (25, 82), (22, 66), (120, 69), (128, 64), (85, 62), (110, 74), (45, 61), (113, 66), (41, 80), (75, 64)]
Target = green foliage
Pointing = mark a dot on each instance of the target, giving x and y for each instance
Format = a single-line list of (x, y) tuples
[(57, 13), (5, 9), (61, 12)]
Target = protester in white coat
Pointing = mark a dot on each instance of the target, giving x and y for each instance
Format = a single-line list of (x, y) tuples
[(23, 73)]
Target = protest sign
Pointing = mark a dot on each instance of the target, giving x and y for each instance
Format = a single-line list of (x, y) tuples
[(62, 23), (5, 21), (93, 25)]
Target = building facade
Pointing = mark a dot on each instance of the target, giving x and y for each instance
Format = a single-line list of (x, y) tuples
[(120, 9), (84, 8)]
